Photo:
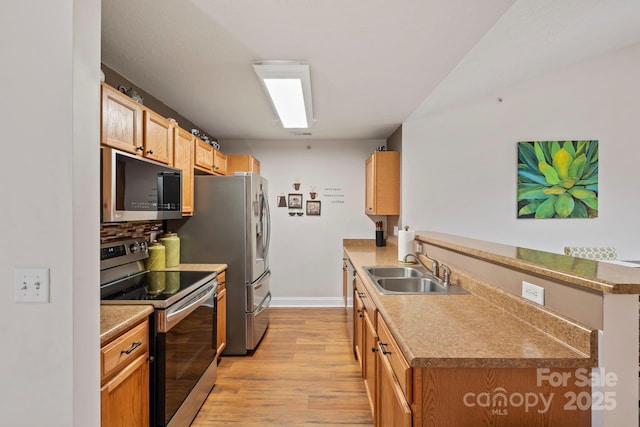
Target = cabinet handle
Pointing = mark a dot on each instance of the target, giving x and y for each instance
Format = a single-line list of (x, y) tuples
[(133, 347), (140, 148), (361, 315), (361, 294), (150, 152), (383, 349), (373, 349)]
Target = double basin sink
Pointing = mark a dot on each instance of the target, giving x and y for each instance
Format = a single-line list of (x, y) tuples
[(396, 280)]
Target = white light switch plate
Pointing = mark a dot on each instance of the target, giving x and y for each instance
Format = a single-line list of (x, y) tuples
[(32, 285), (533, 292)]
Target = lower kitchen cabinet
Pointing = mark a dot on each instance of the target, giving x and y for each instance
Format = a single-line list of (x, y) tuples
[(358, 326), (370, 361), (124, 367), (394, 377), (403, 396), (221, 326)]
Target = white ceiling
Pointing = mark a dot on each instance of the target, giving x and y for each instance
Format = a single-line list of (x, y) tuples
[(374, 63)]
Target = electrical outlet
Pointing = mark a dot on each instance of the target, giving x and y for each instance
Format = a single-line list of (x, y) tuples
[(419, 248), (32, 285), (395, 230), (533, 292)]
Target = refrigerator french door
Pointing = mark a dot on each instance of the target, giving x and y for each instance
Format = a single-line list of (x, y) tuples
[(231, 225)]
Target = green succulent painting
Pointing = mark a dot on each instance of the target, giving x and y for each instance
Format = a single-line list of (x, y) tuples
[(558, 179)]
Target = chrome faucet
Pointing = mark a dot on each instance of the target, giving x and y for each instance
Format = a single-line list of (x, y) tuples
[(434, 262), (446, 275)]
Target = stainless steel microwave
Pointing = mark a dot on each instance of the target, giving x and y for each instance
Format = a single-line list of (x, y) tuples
[(138, 189)]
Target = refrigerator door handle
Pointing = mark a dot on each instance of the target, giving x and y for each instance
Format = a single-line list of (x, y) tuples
[(251, 291), (266, 302), (267, 227)]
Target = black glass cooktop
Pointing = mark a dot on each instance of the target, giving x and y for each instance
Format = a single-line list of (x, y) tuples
[(150, 286)]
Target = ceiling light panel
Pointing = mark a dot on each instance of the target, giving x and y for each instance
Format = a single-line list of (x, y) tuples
[(288, 85)]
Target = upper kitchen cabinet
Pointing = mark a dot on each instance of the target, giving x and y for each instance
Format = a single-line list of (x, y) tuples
[(208, 159), (121, 124), (158, 137), (382, 195), (128, 126), (219, 162), (183, 153), (242, 163), (203, 156)]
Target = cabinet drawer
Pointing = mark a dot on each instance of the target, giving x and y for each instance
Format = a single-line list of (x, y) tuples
[(367, 302), (124, 349), (400, 366)]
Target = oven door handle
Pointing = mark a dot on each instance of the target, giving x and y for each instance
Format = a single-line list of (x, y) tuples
[(170, 319)]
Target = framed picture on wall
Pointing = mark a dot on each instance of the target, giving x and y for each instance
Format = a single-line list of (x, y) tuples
[(295, 201), (558, 179), (313, 207)]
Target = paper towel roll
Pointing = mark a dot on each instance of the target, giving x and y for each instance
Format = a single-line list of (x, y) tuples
[(405, 243)]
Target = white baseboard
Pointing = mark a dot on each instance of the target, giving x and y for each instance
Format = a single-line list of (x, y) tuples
[(307, 302)]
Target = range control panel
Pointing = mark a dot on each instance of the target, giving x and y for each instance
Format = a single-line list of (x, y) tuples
[(121, 252)]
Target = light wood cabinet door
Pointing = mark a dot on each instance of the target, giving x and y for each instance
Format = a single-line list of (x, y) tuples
[(121, 121), (125, 398), (393, 410), (369, 350), (219, 162), (345, 283), (124, 377), (158, 138), (203, 156), (394, 381), (221, 330), (242, 163), (358, 325), (382, 183), (183, 143)]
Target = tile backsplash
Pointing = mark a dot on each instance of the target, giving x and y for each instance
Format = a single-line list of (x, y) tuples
[(110, 231)]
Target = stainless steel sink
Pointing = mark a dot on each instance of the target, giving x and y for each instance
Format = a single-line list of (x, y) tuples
[(417, 285), (397, 271), (395, 280)]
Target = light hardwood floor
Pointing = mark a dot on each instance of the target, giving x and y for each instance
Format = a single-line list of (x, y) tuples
[(302, 374)]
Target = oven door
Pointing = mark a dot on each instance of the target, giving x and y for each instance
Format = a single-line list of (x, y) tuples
[(186, 352)]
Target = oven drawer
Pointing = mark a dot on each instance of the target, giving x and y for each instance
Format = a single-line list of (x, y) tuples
[(124, 349)]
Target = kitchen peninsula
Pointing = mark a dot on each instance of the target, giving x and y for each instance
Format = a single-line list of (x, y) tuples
[(477, 343)]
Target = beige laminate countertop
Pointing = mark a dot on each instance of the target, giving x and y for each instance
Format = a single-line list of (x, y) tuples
[(601, 276), (458, 330), (116, 319)]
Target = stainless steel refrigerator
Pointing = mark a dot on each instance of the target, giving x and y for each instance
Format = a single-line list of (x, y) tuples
[(231, 225)]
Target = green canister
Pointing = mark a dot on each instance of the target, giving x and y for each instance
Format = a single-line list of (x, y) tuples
[(156, 260), (171, 241)]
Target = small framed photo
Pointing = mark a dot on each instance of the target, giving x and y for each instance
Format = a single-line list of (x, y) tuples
[(313, 207), (295, 201)]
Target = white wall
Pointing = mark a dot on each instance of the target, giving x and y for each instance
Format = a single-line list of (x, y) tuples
[(459, 166), (49, 112), (306, 252)]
